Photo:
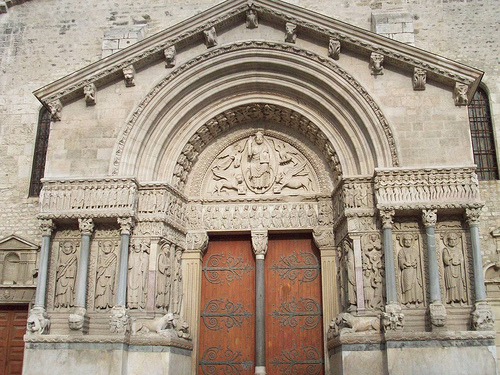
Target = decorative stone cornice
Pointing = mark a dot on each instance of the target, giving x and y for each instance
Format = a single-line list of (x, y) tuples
[(259, 243), (233, 12), (86, 226), (429, 218), (46, 226)]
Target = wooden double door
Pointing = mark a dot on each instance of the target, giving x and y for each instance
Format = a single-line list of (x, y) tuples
[(293, 308), (12, 329)]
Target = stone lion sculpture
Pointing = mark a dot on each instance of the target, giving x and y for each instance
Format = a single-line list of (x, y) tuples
[(163, 325), (348, 323)]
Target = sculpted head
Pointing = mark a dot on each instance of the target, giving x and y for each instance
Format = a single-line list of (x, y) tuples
[(407, 240), (67, 247), (452, 239), (259, 137)]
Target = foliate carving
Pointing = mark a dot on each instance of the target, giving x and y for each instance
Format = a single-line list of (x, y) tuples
[(472, 216), (392, 318), (138, 261), (120, 322), (90, 91), (38, 321), (210, 37), (257, 164), (290, 32), (373, 271), (66, 270), (55, 109), (409, 264), (334, 48), (482, 318), (197, 241), (170, 56), (86, 226), (129, 75), (460, 94), (126, 224), (259, 243), (46, 226), (323, 237), (419, 79), (429, 218), (454, 269), (164, 276), (106, 272), (376, 63), (387, 218), (426, 188), (252, 21)]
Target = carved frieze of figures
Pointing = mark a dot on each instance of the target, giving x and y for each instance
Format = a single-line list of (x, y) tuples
[(455, 277), (255, 216), (105, 274), (252, 20), (66, 270), (164, 276), (260, 164), (373, 271), (290, 32), (74, 197), (409, 264), (334, 48), (358, 194), (137, 274), (376, 63), (419, 79), (419, 188)]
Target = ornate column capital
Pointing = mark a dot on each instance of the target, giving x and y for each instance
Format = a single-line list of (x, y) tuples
[(472, 215), (323, 237), (197, 241), (429, 217), (126, 224), (47, 226), (259, 243), (387, 217), (86, 226)]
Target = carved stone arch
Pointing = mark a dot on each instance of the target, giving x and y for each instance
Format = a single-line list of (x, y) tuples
[(156, 133)]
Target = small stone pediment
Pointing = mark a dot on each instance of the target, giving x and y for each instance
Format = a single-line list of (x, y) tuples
[(13, 242)]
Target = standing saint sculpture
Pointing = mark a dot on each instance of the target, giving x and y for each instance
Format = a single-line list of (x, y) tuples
[(105, 279), (411, 281), (66, 275), (177, 283), (163, 278), (137, 275), (454, 272)]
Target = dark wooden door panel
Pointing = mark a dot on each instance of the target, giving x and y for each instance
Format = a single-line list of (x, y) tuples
[(12, 329), (227, 329), (294, 338)]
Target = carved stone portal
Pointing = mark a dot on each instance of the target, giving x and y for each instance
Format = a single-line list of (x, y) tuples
[(257, 165)]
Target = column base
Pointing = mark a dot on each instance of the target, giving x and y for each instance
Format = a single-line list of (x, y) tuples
[(38, 321), (392, 318), (120, 322), (260, 370), (482, 318), (78, 321), (437, 313)]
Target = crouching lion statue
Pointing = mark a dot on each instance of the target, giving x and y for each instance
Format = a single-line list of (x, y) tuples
[(348, 323), (162, 325)]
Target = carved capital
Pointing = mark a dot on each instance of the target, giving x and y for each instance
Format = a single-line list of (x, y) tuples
[(55, 109), (197, 241), (259, 243), (376, 63), (392, 318), (129, 75), (210, 37), (429, 218), (89, 91), (170, 55), (334, 48), (46, 226), (387, 217), (419, 79), (290, 32), (323, 237), (472, 215), (460, 94), (252, 21), (86, 226), (126, 224)]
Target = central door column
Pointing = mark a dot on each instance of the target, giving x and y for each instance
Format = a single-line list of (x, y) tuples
[(259, 245)]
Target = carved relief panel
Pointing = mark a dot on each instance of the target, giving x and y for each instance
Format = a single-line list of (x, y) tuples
[(63, 268), (260, 164), (17, 262), (409, 260), (137, 277), (347, 276), (373, 271)]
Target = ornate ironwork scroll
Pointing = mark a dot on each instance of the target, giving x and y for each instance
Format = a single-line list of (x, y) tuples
[(230, 313), (291, 313), (292, 266), (291, 362), (228, 361), (232, 268)]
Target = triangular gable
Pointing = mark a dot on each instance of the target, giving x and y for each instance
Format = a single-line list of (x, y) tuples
[(14, 242), (232, 12)]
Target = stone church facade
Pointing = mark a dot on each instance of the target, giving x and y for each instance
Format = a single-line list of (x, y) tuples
[(250, 187)]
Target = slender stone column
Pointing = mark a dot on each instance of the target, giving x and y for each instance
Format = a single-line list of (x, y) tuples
[(196, 245), (482, 316), (437, 311), (392, 318), (38, 321), (78, 319), (358, 272), (259, 244), (120, 321)]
